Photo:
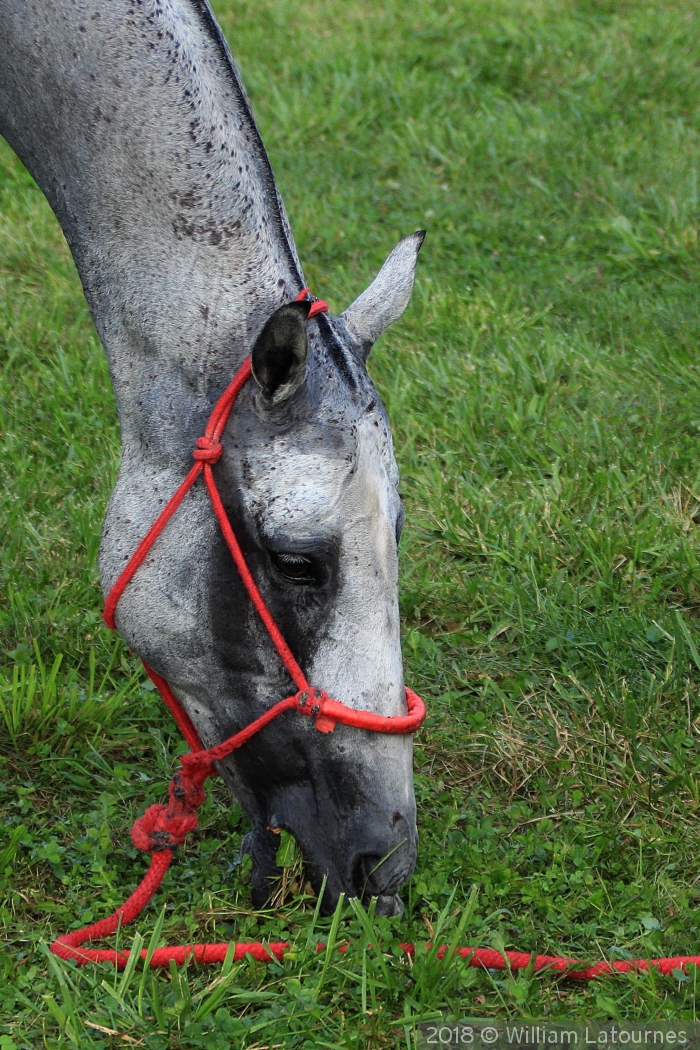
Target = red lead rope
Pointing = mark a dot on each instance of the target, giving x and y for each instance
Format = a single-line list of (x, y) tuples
[(164, 827)]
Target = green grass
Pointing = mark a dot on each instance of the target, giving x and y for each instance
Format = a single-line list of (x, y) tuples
[(545, 398)]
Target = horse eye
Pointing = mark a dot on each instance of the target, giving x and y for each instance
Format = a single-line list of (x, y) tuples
[(296, 568)]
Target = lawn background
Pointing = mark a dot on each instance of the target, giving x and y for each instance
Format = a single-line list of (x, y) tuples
[(544, 393)]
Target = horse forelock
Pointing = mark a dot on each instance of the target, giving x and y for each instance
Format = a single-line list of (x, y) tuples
[(339, 389)]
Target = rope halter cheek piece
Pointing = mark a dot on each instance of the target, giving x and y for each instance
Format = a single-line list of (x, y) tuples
[(163, 827)]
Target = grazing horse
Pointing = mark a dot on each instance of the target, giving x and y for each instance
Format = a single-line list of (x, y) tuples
[(132, 118)]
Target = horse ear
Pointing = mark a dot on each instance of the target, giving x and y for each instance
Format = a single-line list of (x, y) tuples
[(281, 352), (387, 296)]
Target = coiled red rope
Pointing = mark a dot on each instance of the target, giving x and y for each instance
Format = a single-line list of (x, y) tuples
[(164, 827)]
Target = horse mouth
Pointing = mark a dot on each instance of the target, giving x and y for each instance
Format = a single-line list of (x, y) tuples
[(377, 877)]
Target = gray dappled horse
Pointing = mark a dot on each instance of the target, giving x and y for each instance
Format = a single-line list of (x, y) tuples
[(132, 118)]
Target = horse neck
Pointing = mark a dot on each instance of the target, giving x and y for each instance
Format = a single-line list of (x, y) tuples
[(132, 118)]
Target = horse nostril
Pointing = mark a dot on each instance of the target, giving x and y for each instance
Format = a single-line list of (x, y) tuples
[(396, 819)]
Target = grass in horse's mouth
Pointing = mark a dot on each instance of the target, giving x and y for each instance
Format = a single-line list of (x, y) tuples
[(543, 390)]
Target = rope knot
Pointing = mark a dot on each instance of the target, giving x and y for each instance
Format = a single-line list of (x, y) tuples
[(312, 702), (207, 450), (165, 827), (160, 829)]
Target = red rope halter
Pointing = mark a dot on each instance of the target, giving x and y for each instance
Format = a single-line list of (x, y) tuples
[(164, 827)]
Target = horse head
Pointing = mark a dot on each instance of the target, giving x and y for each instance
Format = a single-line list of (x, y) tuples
[(309, 480)]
